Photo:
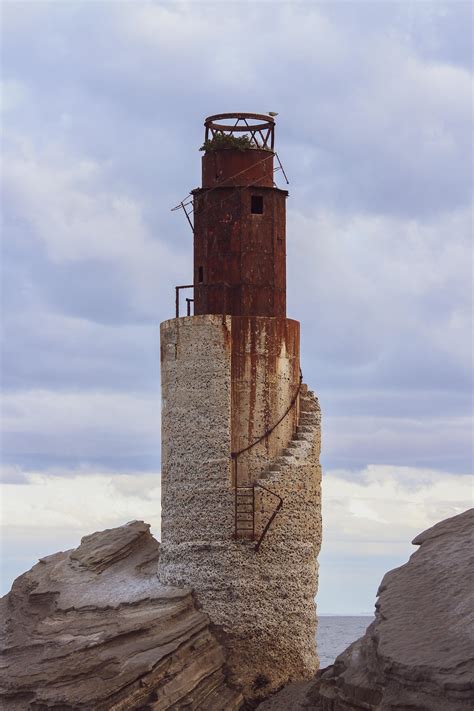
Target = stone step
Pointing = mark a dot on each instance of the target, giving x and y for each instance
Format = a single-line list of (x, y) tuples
[(308, 407), (274, 468), (303, 428), (299, 437), (308, 420)]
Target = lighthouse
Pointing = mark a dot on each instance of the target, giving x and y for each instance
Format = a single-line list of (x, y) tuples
[(241, 508)]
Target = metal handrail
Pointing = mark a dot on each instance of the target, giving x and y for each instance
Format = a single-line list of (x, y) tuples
[(270, 520), (235, 455), (268, 432), (223, 284)]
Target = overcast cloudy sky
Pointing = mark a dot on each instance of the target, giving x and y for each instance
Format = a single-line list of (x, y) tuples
[(102, 112)]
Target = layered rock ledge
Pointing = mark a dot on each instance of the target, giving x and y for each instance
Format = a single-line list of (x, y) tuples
[(418, 653), (92, 628)]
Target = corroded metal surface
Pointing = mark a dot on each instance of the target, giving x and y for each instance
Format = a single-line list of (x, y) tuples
[(230, 167), (243, 249)]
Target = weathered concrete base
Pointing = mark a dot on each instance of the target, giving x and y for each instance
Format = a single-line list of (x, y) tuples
[(261, 603)]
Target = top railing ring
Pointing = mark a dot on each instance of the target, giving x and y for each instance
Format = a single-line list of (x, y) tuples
[(261, 134)]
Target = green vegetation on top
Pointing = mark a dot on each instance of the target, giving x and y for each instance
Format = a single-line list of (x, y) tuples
[(226, 140)]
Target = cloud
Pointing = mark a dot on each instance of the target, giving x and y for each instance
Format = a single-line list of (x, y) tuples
[(45, 427), (370, 517), (381, 508), (52, 510), (391, 134), (103, 105), (351, 441), (389, 296), (91, 236), (82, 500), (47, 350)]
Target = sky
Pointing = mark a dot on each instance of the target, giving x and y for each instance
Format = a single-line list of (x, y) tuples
[(103, 106)]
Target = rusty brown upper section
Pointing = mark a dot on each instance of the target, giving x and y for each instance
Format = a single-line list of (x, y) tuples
[(239, 221), (231, 167), (239, 255)]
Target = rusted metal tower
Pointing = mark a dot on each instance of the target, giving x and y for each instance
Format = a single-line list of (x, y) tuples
[(239, 225)]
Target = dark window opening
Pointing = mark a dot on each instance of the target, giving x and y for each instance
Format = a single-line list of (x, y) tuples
[(256, 207), (201, 275)]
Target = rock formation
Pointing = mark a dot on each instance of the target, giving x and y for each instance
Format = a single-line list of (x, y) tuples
[(418, 653), (92, 628)]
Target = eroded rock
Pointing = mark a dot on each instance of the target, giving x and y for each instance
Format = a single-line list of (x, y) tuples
[(418, 653), (93, 628)]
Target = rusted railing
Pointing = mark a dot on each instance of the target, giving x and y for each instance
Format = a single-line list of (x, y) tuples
[(262, 133), (274, 513), (222, 285), (235, 456), (187, 204)]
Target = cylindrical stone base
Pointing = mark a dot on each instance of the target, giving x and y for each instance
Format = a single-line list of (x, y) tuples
[(262, 603)]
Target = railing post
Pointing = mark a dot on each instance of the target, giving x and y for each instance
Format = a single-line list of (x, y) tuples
[(253, 513), (234, 460)]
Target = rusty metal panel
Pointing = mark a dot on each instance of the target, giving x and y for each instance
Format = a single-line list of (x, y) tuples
[(243, 250), (230, 167)]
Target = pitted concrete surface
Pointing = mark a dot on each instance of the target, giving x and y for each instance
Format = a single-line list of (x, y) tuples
[(262, 604)]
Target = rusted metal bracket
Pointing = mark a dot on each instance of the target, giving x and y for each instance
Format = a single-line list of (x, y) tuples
[(177, 290), (183, 205), (188, 306), (281, 168), (235, 456), (274, 513), (224, 285)]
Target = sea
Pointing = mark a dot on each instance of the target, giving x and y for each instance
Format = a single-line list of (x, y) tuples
[(335, 634)]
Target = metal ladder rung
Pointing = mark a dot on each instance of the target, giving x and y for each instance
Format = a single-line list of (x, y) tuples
[(245, 512)]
